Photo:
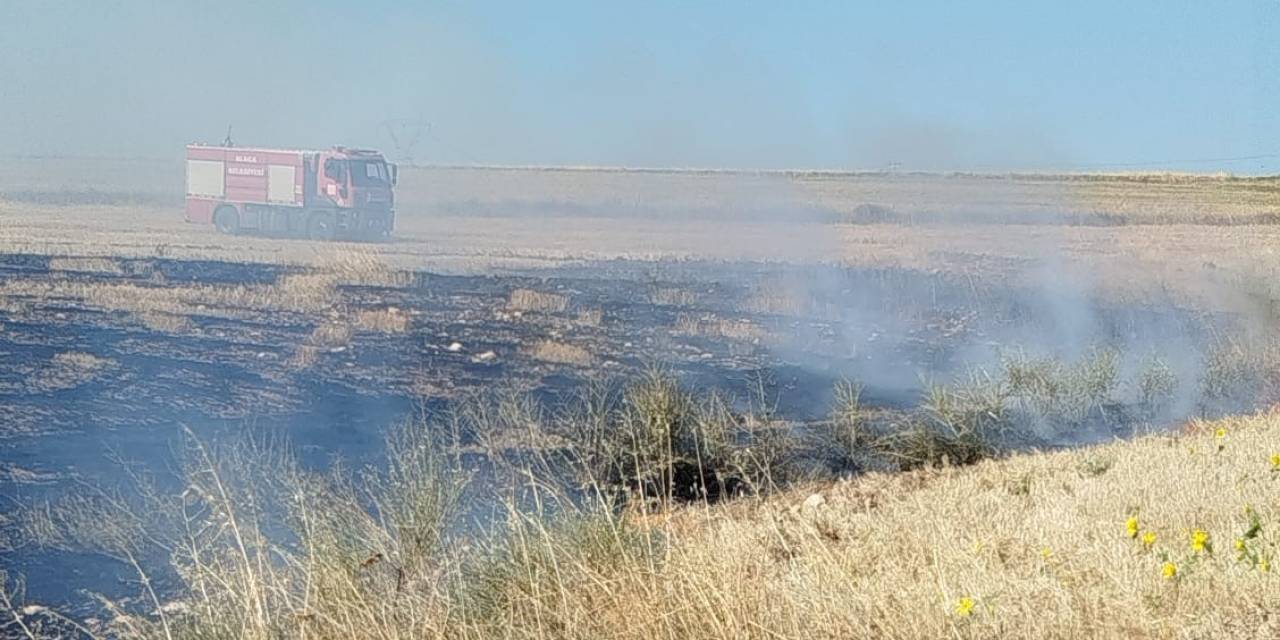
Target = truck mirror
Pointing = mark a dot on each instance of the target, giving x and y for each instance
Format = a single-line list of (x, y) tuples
[(395, 173)]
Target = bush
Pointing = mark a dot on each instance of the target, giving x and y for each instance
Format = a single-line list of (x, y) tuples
[(261, 548), (662, 442)]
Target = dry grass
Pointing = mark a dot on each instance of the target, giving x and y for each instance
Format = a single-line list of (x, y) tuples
[(164, 322), (362, 267), (1165, 536), (713, 326), (304, 356), (1039, 547), (160, 305), (303, 293), (69, 369), (389, 320), (331, 334), (530, 300), (14, 308), (779, 297), (590, 317), (672, 297), (561, 353), (80, 361), (89, 265)]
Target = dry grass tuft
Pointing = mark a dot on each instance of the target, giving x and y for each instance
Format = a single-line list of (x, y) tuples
[(69, 369), (561, 353), (779, 298), (389, 320), (304, 356), (530, 300), (306, 292), (88, 265), (331, 334), (14, 308), (164, 322), (712, 326), (672, 297), (80, 360), (362, 267), (590, 317)]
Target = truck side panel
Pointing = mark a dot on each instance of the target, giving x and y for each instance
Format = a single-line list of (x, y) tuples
[(281, 179), (205, 178), (242, 177)]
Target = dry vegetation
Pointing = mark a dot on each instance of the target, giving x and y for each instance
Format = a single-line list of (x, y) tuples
[(530, 300), (561, 353), (1164, 536), (91, 265), (777, 297), (67, 370), (673, 297), (331, 334), (168, 307), (590, 317), (389, 320), (164, 322), (1033, 546), (712, 326)]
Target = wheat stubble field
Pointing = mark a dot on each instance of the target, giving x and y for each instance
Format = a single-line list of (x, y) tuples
[(590, 402)]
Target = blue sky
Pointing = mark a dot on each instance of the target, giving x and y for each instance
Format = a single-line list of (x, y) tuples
[(925, 85)]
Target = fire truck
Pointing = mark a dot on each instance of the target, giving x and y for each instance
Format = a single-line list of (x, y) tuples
[(322, 195)]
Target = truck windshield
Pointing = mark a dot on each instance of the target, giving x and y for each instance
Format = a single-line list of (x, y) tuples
[(369, 172)]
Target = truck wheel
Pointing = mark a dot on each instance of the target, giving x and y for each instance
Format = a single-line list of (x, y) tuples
[(227, 220), (320, 226), (374, 231)]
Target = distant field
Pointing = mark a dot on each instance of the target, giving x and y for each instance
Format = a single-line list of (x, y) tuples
[(1092, 199), (1209, 229)]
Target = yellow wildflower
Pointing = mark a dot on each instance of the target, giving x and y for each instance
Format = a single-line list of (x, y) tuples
[(1221, 432), (1131, 526), (964, 607), (1170, 571), (1200, 541), (1046, 553), (1275, 461), (1239, 544), (1265, 565), (1148, 539)]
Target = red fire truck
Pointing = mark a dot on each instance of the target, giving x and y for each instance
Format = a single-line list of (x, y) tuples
[(316, 194)]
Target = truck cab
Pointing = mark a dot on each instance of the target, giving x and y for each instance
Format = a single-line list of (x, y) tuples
[(359, 184)]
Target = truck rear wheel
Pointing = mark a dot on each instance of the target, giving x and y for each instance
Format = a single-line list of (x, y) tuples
[(320, 226), (227, 220)]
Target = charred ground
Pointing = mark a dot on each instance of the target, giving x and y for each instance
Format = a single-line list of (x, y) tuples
[(110, 359)]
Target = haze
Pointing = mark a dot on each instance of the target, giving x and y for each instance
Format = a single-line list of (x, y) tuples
[(980, 86)]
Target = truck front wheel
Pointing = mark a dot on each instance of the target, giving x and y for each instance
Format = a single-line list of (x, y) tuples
[(320, 226), (227, 220)]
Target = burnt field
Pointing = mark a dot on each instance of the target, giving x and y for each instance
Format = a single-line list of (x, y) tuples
[(526, 317), (110, 361)]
